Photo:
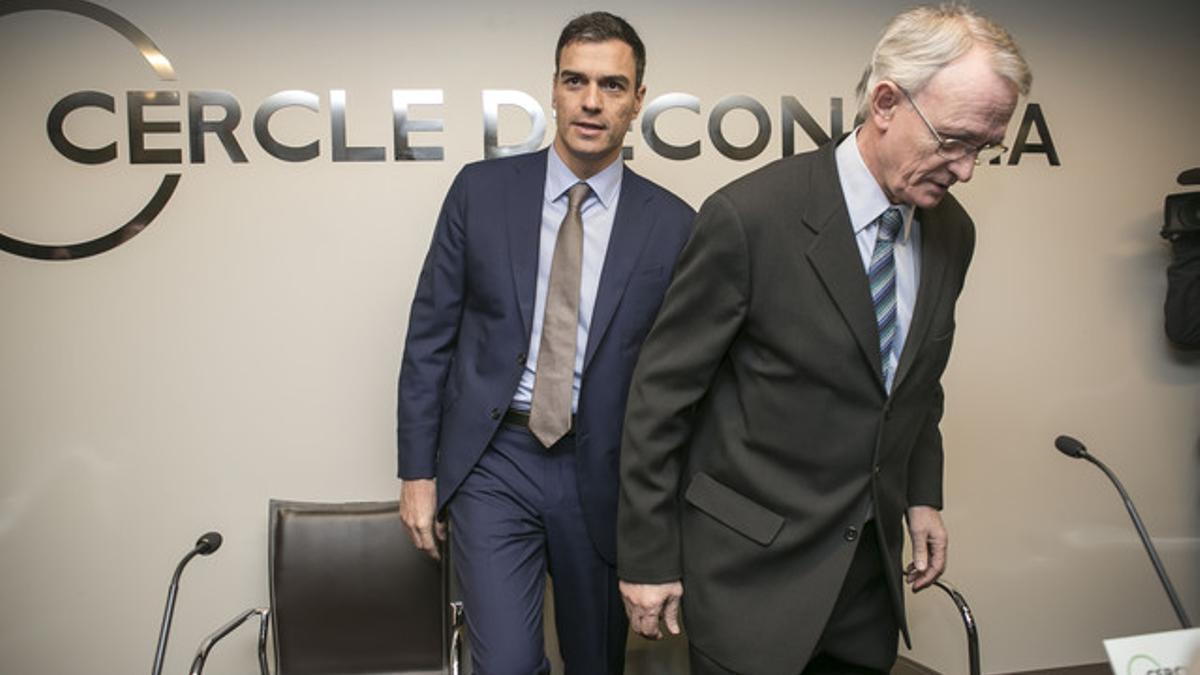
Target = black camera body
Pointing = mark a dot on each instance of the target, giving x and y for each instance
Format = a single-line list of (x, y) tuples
[(1181, 212)]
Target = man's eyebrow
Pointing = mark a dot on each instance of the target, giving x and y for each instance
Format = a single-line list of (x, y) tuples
[(961, 133), (615, 79)]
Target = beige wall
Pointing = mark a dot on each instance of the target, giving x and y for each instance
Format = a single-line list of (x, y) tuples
[(245, 345)]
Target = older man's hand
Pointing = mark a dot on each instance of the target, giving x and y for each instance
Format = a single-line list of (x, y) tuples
[(929, 542), (651, 605)]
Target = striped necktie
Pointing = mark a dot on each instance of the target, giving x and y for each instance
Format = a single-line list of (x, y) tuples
[(882, 276)]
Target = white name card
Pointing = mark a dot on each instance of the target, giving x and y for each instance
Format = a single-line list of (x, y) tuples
[(1171, 653)]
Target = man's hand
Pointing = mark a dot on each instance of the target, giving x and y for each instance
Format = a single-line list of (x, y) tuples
[(929, 542), (648, 604), (418, 508)]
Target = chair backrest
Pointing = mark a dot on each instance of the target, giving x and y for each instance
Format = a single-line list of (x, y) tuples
[(350, 594)]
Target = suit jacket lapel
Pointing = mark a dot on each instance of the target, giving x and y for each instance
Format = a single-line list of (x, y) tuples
[(834, 255), (523, 195), (631, 230), (934, 260)]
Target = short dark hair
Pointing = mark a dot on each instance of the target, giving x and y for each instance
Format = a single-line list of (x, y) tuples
[(600, 27)]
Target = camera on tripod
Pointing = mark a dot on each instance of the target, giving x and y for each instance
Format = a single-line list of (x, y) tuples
[(1181, 212)]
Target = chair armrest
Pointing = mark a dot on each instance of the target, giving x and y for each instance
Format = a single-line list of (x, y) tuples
[(206, 645), (456, 630), (968, 619)]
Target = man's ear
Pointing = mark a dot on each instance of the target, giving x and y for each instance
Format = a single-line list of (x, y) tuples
[(884, 98)]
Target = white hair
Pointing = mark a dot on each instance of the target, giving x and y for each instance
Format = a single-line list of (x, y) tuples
[(918, 43)]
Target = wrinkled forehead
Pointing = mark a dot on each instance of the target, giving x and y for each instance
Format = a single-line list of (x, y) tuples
[(969, 96)]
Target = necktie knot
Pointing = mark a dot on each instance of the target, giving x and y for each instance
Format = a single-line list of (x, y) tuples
[(575, 196), (889, 224)]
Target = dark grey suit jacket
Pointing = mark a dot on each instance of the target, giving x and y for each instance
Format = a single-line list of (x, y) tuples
[(758, 423)]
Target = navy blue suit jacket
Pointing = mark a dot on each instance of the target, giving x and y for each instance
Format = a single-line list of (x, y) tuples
[(469, 329)]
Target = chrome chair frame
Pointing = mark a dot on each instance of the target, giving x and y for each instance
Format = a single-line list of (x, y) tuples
[(968, 619), (206, 645), (264, 623)]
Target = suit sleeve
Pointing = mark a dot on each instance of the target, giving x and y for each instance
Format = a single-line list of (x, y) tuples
[(925, 465), (432, 333), (701, 314)]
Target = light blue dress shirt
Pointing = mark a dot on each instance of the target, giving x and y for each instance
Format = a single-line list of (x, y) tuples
[(866, 202), (598, 213)]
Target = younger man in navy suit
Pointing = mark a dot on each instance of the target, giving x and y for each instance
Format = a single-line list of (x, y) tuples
[(545, 274)]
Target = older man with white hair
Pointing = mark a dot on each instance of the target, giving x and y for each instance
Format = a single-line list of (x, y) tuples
[(783, 419)]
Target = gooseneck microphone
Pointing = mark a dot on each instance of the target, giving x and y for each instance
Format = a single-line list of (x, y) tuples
[(207, 544), (1071, 447)]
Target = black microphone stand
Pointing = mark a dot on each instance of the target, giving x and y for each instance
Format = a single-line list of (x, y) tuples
[(1082, 452), (206, 545)]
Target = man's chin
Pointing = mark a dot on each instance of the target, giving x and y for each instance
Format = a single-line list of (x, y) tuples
[(929, 197), (589, 150)]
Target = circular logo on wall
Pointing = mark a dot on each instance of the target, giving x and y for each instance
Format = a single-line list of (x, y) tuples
[(166, 187)]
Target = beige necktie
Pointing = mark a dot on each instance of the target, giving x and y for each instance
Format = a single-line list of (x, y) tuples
[(550, 413)]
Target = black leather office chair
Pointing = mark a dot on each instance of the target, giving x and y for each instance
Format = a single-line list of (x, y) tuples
[(350, 594)]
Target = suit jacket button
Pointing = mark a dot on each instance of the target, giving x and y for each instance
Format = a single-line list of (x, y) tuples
[(850, 534), (494, 413), (521, 359), (877, 470)]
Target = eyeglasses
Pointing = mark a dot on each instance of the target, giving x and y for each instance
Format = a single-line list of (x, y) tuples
[(953, 149)]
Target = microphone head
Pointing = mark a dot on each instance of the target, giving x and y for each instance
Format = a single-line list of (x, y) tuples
[(208, 543), (1070, 447)]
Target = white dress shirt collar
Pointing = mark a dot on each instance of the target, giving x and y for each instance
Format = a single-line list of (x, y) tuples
[(605, 185)]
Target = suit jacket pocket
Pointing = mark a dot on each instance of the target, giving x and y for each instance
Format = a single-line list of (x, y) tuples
[(729, 507)]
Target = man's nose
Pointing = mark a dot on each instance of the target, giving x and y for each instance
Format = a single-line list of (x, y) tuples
[(963, 168), (591, 97)]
